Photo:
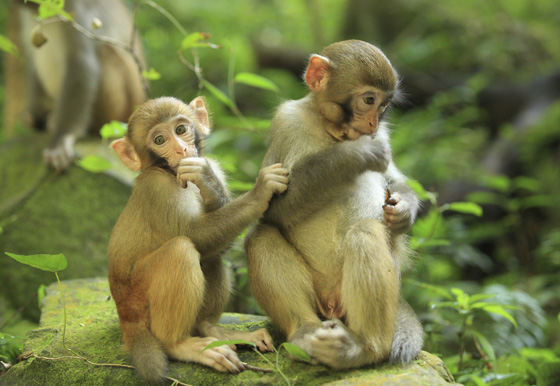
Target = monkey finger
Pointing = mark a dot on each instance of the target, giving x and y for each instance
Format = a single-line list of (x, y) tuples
[(229, 360), (193, 161)]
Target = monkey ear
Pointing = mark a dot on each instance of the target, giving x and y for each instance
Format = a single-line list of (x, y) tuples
[(317, 73), (127, 154), (199, 108)]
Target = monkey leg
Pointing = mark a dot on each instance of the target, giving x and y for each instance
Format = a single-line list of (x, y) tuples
[(370, 293), (176, 295), (158, 306), (282, 284), (176, 289), (218, 288)]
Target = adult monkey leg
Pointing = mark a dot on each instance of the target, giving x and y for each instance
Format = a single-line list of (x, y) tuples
[(370, 294), (282, 284)]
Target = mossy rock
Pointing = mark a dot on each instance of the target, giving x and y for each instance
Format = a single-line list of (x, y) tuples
[(93, 332), (42, 211)]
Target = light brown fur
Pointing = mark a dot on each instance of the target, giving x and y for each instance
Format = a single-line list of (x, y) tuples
[(165, 253), (326, 259), (71, 85)]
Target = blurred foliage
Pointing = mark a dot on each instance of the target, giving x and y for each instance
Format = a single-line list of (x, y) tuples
[(512, 252)]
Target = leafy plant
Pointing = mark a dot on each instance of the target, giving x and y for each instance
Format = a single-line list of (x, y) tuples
[(466, 307), (424, 232)]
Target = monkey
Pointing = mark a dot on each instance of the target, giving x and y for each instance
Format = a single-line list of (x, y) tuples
[(325, 260), (166, 273), (73, 84)]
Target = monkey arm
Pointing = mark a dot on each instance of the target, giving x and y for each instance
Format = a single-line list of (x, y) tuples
[(213, 232), (170, 212), (400, 216), (216, 194), (315, 179)]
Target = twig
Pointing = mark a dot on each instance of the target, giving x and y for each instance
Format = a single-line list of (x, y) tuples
[(255, 368)]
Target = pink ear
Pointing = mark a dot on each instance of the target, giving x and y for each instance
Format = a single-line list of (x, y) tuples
[(127, 154), (197, 105), (317, 73)]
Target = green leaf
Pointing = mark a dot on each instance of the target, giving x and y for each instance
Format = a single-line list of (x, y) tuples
[(219, 343), (256, 81), (49, 263), (6, 45), (94, 163), (485, 345), (240, 186), (41, 293), (151, 74), (419, 242), (478, 297), (219, 94), (527, 183), (499, 182), (418, 189), (453, 305), (536, 201), (113, 129), (51, 8), (296, 352), (499, 310), (548, 374), (465, 207), (438, 290), (195, 40)]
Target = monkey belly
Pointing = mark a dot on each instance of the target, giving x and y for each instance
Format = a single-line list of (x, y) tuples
[(318, 239)]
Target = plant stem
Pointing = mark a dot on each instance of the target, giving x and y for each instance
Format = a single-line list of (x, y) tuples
[(63, 312), (270, 363)]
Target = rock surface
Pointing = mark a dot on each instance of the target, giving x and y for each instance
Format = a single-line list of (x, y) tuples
[(42, 211), (92, 331)]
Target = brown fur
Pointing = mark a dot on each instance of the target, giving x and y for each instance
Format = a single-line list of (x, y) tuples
[(325, 261), (165, 253), (72, 84)]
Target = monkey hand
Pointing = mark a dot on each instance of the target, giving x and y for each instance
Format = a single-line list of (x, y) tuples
[(196, 170), (271, 179), (61, 153), (397, 214), (261, 338), (221, 358)]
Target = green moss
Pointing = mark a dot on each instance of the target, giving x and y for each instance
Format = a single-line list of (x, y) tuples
[(93, 332), (70, 213)]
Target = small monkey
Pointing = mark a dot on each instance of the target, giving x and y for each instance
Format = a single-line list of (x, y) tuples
[(72, 83), (165, 252), (325, 260)]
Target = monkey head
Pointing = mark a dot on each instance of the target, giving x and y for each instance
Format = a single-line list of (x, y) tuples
[(352, 82), (163, 131)]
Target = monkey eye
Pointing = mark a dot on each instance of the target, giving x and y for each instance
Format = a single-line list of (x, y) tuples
[(181, 129), (159, 140), (368, 98)]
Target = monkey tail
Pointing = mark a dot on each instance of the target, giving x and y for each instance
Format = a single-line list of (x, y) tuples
[(148, 357)]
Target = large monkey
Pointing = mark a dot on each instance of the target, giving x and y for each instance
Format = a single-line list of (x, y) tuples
[(73, 84), (325, 261), (165, 269)]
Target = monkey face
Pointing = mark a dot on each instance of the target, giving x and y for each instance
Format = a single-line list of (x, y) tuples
[(367, 108), (173, 140)]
